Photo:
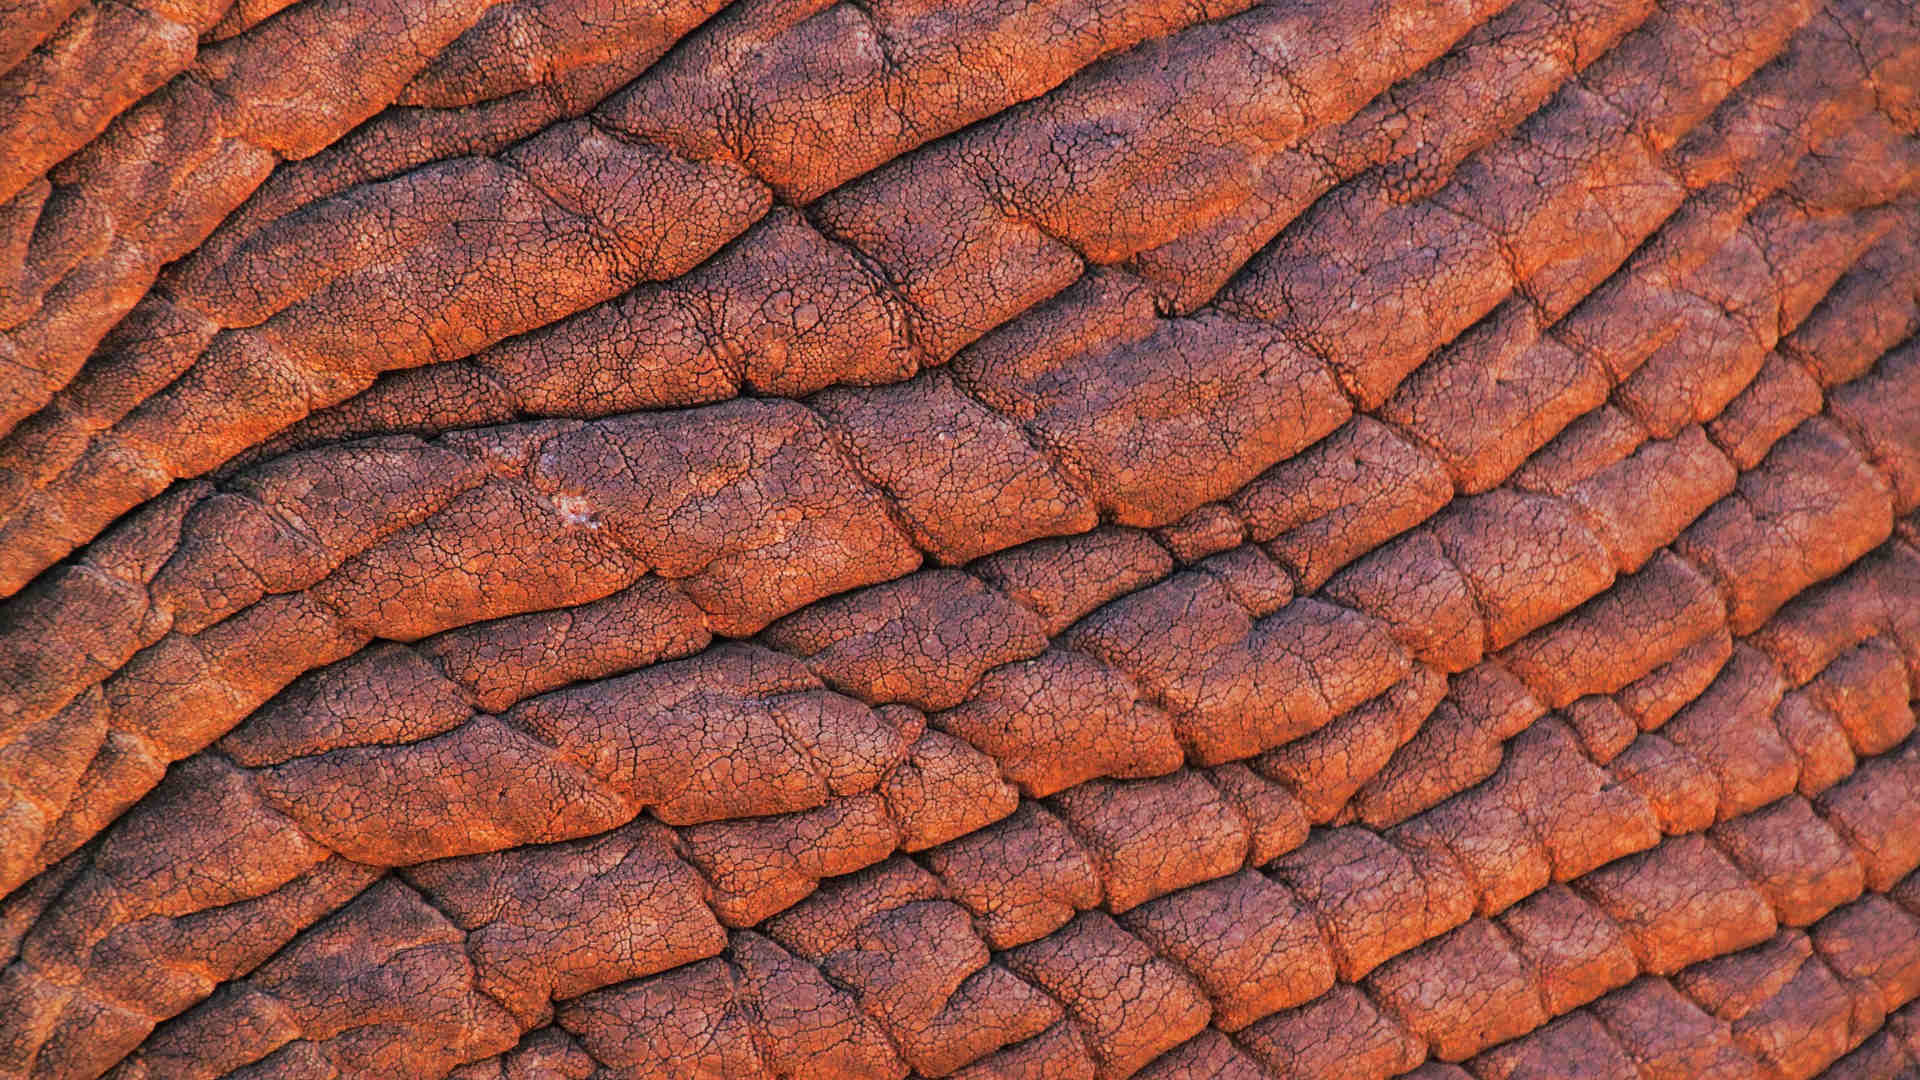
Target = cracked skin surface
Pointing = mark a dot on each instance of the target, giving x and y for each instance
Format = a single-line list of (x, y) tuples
[(1067, 539)]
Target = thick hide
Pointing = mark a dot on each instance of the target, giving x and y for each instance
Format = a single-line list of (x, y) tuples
[(992, 539)]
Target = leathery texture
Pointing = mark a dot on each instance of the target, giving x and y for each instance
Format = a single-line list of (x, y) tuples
[(1049, 538)]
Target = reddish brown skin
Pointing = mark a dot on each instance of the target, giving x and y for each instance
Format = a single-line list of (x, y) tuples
[(1070, 539)]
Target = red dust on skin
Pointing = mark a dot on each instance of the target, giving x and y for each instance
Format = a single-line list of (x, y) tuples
[(1074, 538)]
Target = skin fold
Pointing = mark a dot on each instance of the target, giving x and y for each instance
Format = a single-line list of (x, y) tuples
[(1061, 538)]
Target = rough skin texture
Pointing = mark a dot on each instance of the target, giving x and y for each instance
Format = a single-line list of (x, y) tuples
[(1050, 538)]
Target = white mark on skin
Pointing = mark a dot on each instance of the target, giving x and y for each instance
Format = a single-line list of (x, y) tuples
[(576, 510)]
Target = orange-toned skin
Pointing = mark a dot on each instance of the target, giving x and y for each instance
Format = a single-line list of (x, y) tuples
[(1060, 538)]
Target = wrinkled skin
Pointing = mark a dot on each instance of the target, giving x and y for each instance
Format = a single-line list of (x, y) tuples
[(1062, 538)]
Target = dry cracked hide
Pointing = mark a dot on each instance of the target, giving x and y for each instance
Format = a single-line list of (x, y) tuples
[(1069, 539)]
